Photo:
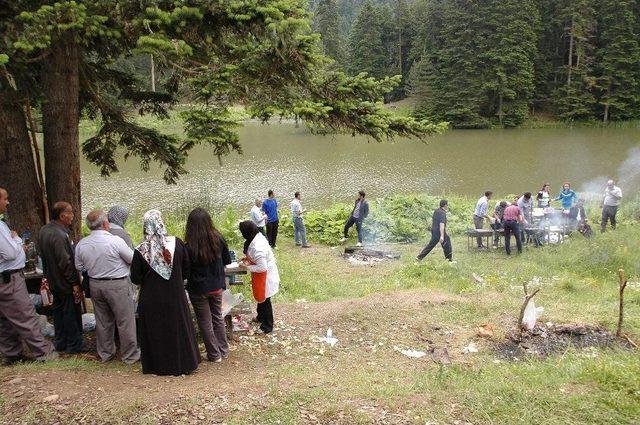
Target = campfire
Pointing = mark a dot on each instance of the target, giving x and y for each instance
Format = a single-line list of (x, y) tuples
[(360, 256)]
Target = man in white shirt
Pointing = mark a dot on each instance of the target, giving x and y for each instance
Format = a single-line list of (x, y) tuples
[(18, 320), (258, 216), (106, 258), (610, 204), (481, 212), (299, 229)]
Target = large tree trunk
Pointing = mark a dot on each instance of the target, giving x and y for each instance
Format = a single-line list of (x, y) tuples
[(18, 171), (60, 118)]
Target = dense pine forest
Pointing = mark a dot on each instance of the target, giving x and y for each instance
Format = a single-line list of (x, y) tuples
[(487, 63)]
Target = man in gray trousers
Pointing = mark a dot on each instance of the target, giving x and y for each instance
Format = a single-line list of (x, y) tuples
[(106, 259), (18, 321)]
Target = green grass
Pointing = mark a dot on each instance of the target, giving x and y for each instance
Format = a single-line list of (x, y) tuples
[(349, 384)]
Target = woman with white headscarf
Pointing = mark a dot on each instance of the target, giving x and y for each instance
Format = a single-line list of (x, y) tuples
[(160, 265)]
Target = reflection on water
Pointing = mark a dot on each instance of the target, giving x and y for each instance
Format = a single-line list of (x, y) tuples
[(325, 169)]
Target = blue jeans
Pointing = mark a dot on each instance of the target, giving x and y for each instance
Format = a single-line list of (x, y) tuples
[(350, 222), (299, 231)]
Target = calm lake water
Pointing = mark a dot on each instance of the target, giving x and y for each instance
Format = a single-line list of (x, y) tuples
[(325, 169)]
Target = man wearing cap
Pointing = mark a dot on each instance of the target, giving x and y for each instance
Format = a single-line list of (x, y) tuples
[(18, 320)]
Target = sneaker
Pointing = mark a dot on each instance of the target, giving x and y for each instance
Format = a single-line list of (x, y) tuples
[(453, 262), (343, 240), (359, 244), (298, 244), (418, 259), (218, 360)]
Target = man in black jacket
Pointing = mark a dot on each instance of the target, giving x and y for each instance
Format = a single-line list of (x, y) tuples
[(358, 214), (56, 250)]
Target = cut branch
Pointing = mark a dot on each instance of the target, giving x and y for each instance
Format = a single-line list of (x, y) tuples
[(622, 285), (527, 298)]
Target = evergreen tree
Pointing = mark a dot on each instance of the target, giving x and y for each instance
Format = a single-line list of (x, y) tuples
[(574, 98), (367, 47), (618, 65), (63, 58), (327, 23), (507, 53)]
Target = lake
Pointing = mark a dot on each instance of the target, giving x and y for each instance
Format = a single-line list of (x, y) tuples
[(325, 169)]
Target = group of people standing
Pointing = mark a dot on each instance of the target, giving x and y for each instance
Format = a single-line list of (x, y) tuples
[(164, 338), (513, 216), (266, 211)]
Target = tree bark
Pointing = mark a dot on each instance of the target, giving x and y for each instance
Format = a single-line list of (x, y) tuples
[(60, 119), (17, 169)]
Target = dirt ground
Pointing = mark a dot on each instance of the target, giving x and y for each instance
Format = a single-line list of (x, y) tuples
[(260, 372), (249, 380)]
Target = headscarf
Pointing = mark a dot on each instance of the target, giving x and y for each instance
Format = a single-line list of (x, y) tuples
[(118, 215), (157, 247), (249, 231)]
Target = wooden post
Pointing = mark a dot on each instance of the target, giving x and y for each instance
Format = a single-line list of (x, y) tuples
[(622, 281), (36, 151)]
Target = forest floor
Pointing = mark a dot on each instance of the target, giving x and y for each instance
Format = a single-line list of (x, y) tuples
[(447, 311)]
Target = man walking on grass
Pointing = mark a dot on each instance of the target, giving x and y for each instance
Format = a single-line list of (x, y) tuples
[(439, 233), (358, 214)]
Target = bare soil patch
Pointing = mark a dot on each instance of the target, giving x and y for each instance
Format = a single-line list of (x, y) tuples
[(551, 339)]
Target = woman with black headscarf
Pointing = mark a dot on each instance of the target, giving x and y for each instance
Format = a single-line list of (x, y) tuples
[(265, 279)]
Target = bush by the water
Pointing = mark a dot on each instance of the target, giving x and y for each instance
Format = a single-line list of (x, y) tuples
[(397, 218)]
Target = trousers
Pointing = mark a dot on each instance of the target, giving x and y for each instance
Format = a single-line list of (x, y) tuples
[(208, 309), (299, 231), (113, 307), (350, 222), (18, 320), (265, 315), (512, 226), (435, 238), (67, 321), (272, 233), (478, 223), (608, 214)]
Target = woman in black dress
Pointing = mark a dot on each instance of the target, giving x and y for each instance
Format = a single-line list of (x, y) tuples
[(160, 265)]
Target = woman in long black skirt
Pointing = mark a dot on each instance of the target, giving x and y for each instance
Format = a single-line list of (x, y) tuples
[(160, 265)]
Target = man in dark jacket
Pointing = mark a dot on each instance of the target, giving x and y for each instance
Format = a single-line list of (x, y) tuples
[(358, 214), (56, 250)]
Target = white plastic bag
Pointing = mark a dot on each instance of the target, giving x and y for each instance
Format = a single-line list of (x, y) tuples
[(229, 301), (88, 322), (530, 316)]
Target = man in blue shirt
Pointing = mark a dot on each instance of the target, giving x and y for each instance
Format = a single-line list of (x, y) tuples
[(270, 208)]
